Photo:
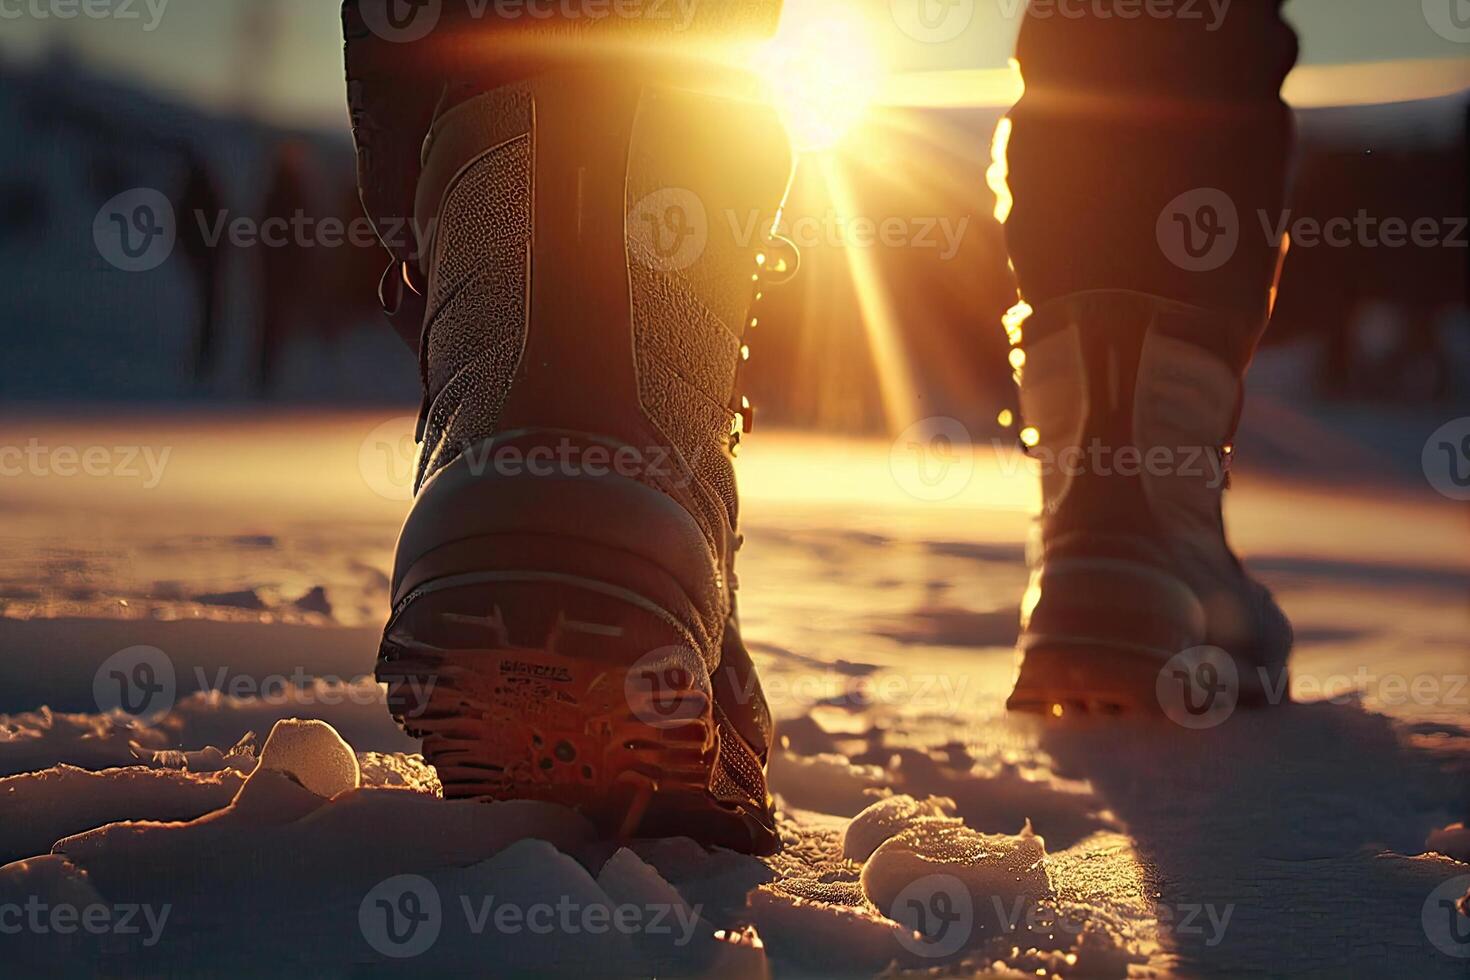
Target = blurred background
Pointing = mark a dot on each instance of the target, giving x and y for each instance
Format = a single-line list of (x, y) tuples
[(235, 109)]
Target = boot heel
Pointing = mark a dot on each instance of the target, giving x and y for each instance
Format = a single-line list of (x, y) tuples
[(1095, 632), (542, 686)]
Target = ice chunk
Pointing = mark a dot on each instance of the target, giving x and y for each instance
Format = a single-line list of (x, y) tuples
[(889, 817), (240, 757), (313, 754), (1452, 841), (946, 881), (398, 770)]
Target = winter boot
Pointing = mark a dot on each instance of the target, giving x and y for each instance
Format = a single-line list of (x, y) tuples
[(563, 623), (1136, 602)]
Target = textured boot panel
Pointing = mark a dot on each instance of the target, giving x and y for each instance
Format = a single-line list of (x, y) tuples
[(705, 179), (476, 330)]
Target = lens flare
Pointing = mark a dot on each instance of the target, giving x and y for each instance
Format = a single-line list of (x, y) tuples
[(824, 72)]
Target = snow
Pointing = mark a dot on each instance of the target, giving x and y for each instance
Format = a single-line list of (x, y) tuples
[(1315, 839)]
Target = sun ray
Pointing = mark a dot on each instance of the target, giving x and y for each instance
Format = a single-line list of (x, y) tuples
[(880, 319)]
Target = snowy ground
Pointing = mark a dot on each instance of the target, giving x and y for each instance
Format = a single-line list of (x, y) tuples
[(245, 584)]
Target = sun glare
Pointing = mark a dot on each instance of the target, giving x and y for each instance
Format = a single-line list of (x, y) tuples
[(824, 71)]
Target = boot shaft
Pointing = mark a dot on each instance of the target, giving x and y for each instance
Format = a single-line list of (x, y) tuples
[(592, 260), (1131, 403)]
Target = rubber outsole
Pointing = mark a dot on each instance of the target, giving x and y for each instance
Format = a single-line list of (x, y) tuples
[(1072, 678), (543, 686)]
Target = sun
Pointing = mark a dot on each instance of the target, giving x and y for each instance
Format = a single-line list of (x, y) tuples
[(824, 71)]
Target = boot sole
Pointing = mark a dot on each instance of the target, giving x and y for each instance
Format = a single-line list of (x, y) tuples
[(546, 686), (1074, 677), (1100, 633)]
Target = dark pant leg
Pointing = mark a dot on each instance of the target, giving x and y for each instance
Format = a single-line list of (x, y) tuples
[(1122, 115)]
